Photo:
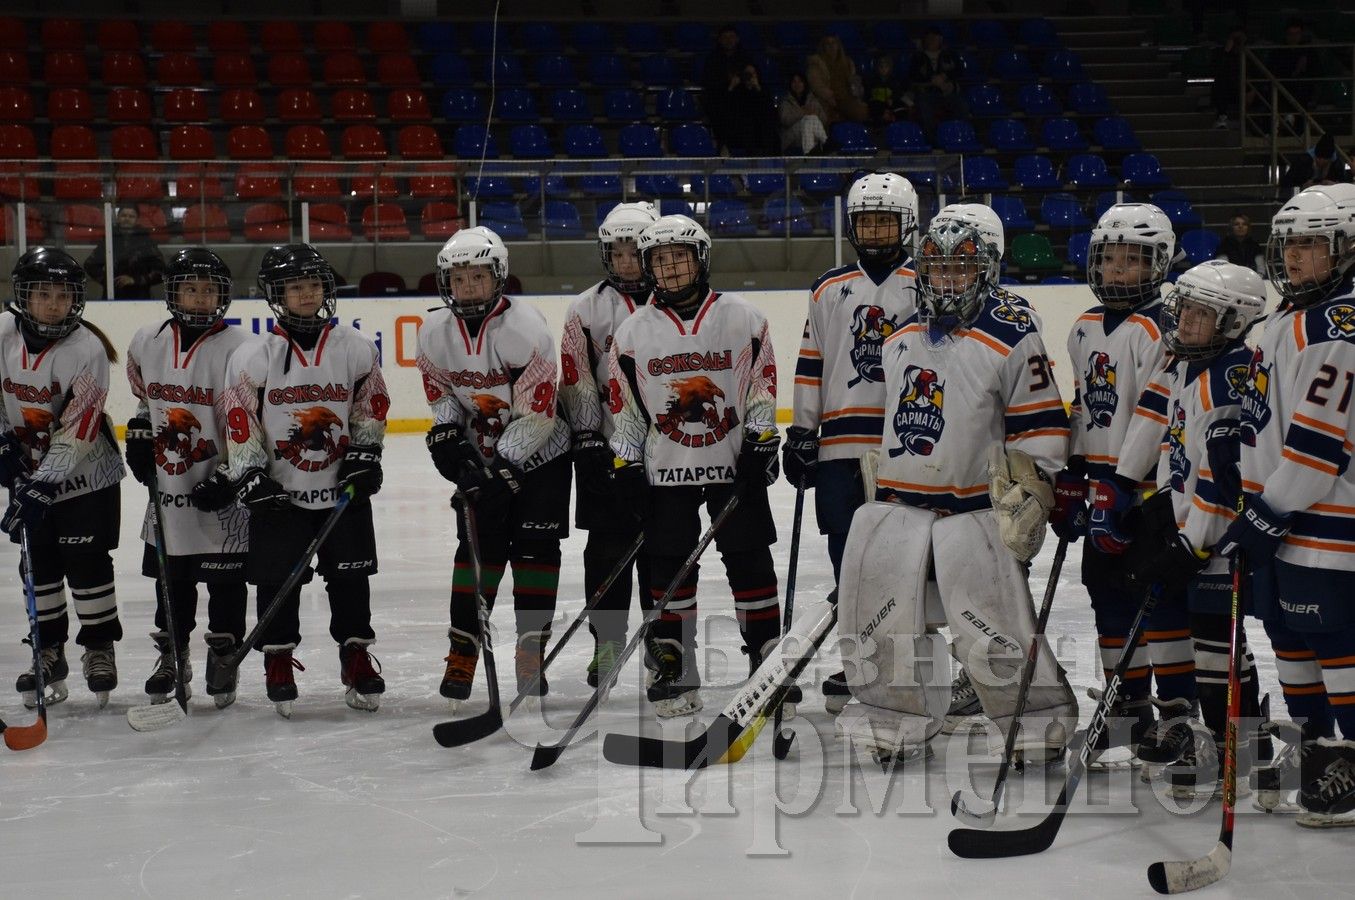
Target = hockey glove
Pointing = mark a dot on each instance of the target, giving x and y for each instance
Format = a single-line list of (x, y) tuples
[(758, 464), (1068, 518), (1172, 563), (592, 464), (452, 453), (1021, 497), (1106, 531), (140, 451), (493, 484), (632, 490), (1257, 531), (13, 459), (28, 505), (800, 457), (213, 493), (1222, 447), (361, 468), (260, 493)]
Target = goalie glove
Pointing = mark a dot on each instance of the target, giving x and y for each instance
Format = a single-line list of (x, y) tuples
[(1021, 497)]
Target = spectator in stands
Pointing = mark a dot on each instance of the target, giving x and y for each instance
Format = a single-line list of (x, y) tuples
[(722, 76), (137, 263), (886, 96), (1239, 247), (1319, 165), (802, 128), (754, 131), (1227, 69), (834, 80), (934, 77), (1295, 60)]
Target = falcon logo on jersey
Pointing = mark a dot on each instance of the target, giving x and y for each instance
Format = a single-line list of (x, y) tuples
[(693, 417), (918, 420), (176, 451), (1341, 318), (1176, 443), (1255, 399), (310, 444), (1013, 315), (488, 425), (36, 431), (1099, 396), (870, 327)]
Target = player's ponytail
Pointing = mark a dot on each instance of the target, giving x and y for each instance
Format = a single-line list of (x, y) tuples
[(109, 350)]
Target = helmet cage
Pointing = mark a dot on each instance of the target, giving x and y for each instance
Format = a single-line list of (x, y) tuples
[(1340, 250), (955, 252), (1127, 296)]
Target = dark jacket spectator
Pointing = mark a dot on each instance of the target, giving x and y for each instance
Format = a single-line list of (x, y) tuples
[(754, 130), (1295, 59), (886, 95), (137, 263), (934, 75), (834, 80), (1239, 247), (722, 76), (1320, 165), (1227, 70)]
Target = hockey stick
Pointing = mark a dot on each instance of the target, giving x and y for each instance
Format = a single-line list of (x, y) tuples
[(222, 681), (464, 731), (782, 740), (154, 716), (26, 737), (971, 809), (546, 754), (1188, 875), (734, 730), (975, 844)]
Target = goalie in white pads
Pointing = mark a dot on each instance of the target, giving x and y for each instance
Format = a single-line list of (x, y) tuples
[(938, 546)]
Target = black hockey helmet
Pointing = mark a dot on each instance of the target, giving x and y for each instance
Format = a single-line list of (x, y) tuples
[(290, 264), (197, 264), (43, 266)]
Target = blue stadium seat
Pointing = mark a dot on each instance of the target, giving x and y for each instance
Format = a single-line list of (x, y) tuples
[(600, 186), (515, 105), (677, 106), (1012, 66), (1178, 209), (1063, 135), (690, 139), (642, 37), (539, 37), (561, 219), (591, 37), (622, 105), (659, 71), (1115, 133), (850, 35), (1038, 100), (985, 100), (608, 70), (1077, 248), (1143, 170), (675, 207), (1063, 65), (569, 105), (892, 35), (1034, 172), (1087, 170), (819, 183), (1060, 279), (694, 37), (777, 211), (583, 142), (1012, 212), (449, 69), (556, 71), (638, 141), (957, 136), (791, 36), (656, 184), (505, 219), (1200, 245), (463, 105), (731, 217), (981, 173), (972, 68), (720, 186), (506, 69), (1106, 199), (988, 34), (1063, 211), (529, 142), (1088, 99), (1038, 34), (906, 137), (468, 141), (489, 187), (1010, 136), (769, 182), (750, 38), (851, 138), (557, 187), (436, 37)]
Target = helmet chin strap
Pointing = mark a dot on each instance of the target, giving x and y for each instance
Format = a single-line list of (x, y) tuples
[(684, 300)]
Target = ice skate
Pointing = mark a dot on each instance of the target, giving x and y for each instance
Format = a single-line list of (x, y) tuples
[(220, 646), (278, 666), (1116, 746), (674, 688), (836, 694), (101, 670), (1166, 740), (964, 703), (361, 675), (1329, 800), (1300, 761), (527, 657), (54, 674), (160, 685), (462, 657), (755, 660), (603, 661)]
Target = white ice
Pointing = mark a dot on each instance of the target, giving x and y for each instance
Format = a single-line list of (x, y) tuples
[(340, 803)]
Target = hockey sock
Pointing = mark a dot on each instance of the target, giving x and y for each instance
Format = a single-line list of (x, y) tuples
[(1212, 641), (463, 615), (536, 578), (678, 619), (285, 629), (90, 576), (226, 602), (184, 595), (1171, 651), (1305, 694), (350, 608), (49, 588), (836, 544), (1114, 611), (753, 582), (1335, 652), (600, 556)]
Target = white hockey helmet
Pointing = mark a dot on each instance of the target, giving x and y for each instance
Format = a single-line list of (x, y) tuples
[(679, 230), (957, 268), (477, 246), (624, 223), (889, 192), (1325, 213), (1140, 225), (1236, 294), (978, 216)]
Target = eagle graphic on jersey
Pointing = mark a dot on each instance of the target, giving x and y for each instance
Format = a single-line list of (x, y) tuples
[(1341, 319), (1176, 442), (488, 424), (36, 431), (310, 444), (696, 400), (1099, 396), (870, 327), (1255, 400), (918, 420), (175, 448)]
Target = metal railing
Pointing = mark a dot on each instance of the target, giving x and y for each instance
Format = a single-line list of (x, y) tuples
[(1276, 117)]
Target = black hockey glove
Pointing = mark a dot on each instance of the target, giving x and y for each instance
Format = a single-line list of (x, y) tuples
[(29, 502), (632, 491), (1223, 448), (800, 457), (758, 464), (452, 453), (140, 450), (492, 485), (13, 459), (213, 493), (1172, 563), (260, 493), (361, 468), (1257, 531), (592, 464)]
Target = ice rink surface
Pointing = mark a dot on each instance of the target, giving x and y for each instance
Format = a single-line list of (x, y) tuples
[(337, 803)]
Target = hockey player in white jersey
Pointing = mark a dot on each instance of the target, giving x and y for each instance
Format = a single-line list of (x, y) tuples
[(693, 390), (967, 382), (176, 445), (839, 385), (489, 371), (1204, 321), (1115, 348), (1297, 429), (305, 420), (62, 467), (590, 327)]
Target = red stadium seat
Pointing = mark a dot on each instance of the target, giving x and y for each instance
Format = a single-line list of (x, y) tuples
[(16, 104), (74, 142), (63, 34), (179, 69), (428, 285), (35, 232), (227, 36), (76, 181), (199, 181), (124, 68), (118, 34), (343, 68), (385, 221), (152, 218), (65, 68), (185, 105), (72, 105), (241, 106), (353, 105), (281, 37), (13, 34), (419, 142), (395, 70), (191, 142), (408, 105), (307, 142), (439, 221), (427, 187), (14, 67), (331, 37), (289, 70), (84, 223), (258, 181), (129, 106), (387, 37), (133, 142), (17, 142), (249, 142), (372, 184), (173, 37), (299, 105), (267, 222), (206, 223), (381, 284), (234, 70), (316, 183), (362, 142), (135, 184), (329, 222)]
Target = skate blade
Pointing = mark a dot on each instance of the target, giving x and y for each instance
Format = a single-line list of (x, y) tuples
[(363, 702), (223, 700), (835, 704), (1280, 803), (157, 699), (891, 758), (284, 708), (953, 724), (102, 698), (688, 704), (1322, 820), (1115, 759), (454, 705), (55, 693)]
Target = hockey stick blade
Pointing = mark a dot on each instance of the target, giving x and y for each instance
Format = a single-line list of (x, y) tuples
[(973, 810), (465, 731), (968, 843), (783, 738), (155, 716), (26, 737), (1191, 875)]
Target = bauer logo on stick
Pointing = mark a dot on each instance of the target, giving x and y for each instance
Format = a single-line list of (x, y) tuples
[(919, 419)]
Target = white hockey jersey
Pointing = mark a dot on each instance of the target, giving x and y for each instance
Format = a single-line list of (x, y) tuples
[(839, 382), (683, 392), (181, 390), (1297, 430), (954, 396), (498, 384), (590, 329), (54, 403), (293, 412)]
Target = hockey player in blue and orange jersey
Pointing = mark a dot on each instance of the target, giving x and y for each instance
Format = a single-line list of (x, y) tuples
[(305, 421), (693, 387), (1299, 490), (489, 367)]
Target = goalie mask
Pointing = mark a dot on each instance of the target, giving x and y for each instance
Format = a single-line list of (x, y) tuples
[(957, 268), (1211, 306), (977, 216), (472, 272), (197, 288), (299, 285), (881, 217), (1312, 244), (618, 239), (49, 292), (1128, 255), (675, 255)]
